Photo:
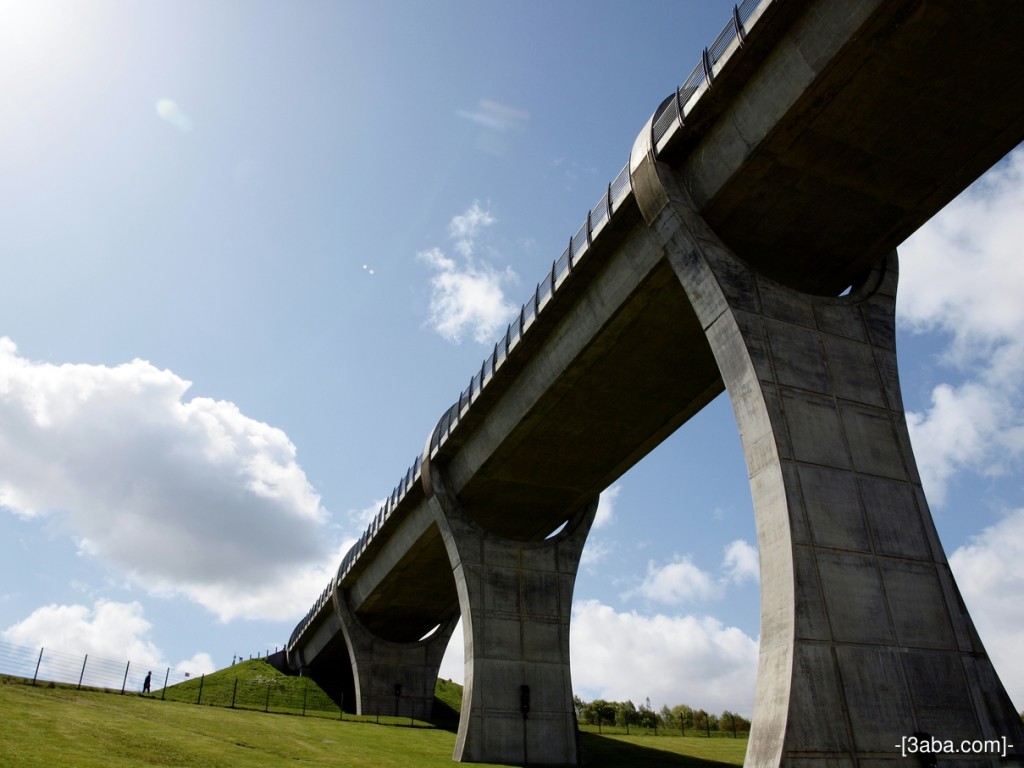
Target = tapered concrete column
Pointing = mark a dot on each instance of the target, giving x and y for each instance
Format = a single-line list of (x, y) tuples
[(515, 598), (393, 678), (864, 637)]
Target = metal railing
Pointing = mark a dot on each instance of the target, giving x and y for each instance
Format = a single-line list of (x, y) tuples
[(45, 666), (668, 119)]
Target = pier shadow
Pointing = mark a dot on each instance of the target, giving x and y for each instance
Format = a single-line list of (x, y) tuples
[(606, 752)]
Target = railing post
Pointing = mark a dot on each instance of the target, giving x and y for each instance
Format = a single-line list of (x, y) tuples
[(163, 692), (38, 662), (738, 25), (125, 681), (82, 676)]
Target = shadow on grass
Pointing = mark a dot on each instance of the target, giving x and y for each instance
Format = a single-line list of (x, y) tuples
[(605, 752)]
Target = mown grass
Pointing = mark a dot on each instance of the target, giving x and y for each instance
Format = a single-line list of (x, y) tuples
[(60, 726), (45, 727), (620, 751)]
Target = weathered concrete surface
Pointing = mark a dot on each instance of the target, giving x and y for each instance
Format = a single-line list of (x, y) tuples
[(393, 595), (862, 117), (390, 677), (516, 599), (864, 637)]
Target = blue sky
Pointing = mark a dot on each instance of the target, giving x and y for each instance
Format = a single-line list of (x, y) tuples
[(251, 251)]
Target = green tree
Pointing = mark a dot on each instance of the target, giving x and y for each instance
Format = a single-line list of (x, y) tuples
[(732, 723), (704, 721), (647, 717), (683, 714), (598, 712), (625, 713)]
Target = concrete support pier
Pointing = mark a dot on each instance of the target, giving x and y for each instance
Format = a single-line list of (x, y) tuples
[(865, 640), (515, 599), (393, 678)]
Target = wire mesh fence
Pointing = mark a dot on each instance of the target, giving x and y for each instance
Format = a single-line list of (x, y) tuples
[(241, 686), (45, 665)]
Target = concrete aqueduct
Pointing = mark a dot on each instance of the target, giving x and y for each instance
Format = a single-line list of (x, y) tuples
[(811, 139)]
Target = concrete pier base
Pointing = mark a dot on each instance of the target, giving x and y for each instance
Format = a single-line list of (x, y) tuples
[(394, 679), (515, 599), (865, 640)]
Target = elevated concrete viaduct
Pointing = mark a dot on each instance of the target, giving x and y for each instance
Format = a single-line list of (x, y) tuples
[(810, 141)]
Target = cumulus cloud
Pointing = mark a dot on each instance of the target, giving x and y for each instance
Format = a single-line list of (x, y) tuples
[(189, 497), (989, 570), (169, 110), (741, 563), (672, 659), (962, 276), (606, 507), (677, 582), (467, 297), (618, 655), (453, 664), (107, 630), (681, 581), (465, 227)]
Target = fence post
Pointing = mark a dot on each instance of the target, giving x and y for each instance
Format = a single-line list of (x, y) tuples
[(305, 691), (266, 708), (163, 693), (202, 680), (234, 692), (81, 676), (40, 661), (124, 682)]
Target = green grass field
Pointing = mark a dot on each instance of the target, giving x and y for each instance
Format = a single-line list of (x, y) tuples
[(60, 726)]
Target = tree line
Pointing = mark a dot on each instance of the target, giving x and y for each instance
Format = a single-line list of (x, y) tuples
[(682, 717)]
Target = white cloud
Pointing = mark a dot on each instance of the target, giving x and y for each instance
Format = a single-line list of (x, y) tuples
[(677, 582), (106, 631), (681, 581), (606, 507), (188, 497), (468, 297), (453, 664), (673, 660), (962, 276), (989, 570), (741, 563), (465, 227), (169, 110)]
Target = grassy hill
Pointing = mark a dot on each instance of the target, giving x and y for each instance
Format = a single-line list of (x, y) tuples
[(59, 726), (257, 685)]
